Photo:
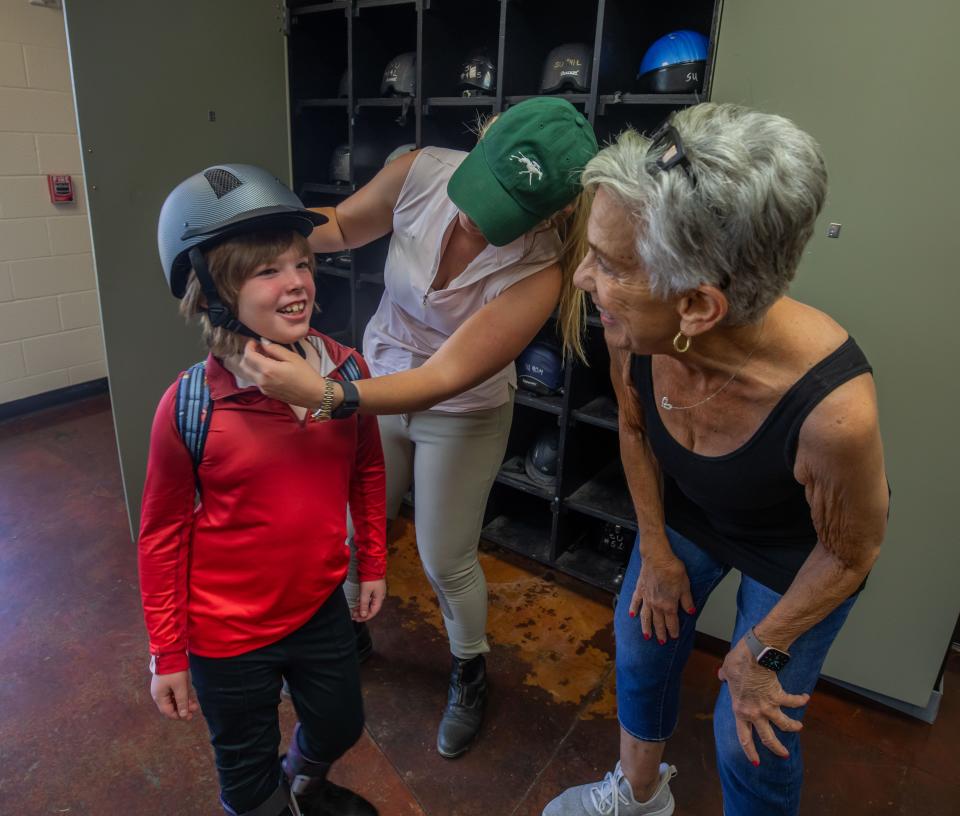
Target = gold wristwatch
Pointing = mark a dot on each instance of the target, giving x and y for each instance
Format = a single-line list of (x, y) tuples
[(323, 413)]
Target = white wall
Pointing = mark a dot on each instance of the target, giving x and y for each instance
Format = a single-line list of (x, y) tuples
[(50, 333)]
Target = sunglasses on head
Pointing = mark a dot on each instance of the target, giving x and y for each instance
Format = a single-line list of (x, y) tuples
[(674, 153)]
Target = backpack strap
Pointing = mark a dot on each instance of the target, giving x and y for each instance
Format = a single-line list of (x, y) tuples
[(349, 369), (193, 410)]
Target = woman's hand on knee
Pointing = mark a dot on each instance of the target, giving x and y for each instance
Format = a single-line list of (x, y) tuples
[(171, 693), (372, 594), (756, 698), (663, 588)]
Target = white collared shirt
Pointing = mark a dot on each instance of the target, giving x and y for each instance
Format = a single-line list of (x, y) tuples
[(413, 320)]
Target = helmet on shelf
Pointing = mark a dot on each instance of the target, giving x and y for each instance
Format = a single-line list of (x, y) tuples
[(478, 76), (675, 63), (340, 164), (540, 462), (397, 152), (567, 67), (400, 76), (540, 368)]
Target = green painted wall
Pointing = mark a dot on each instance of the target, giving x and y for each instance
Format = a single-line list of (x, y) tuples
[(146, 74), (874, 83)]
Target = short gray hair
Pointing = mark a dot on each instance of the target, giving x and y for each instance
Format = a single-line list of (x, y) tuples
[(742, 216)]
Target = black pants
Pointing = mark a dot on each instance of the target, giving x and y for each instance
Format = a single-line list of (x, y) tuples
[(239, 697)]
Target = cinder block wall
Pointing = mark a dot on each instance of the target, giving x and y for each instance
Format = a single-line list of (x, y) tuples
[(50, 333)]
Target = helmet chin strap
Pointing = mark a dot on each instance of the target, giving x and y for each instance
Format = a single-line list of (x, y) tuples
[(217, 312)]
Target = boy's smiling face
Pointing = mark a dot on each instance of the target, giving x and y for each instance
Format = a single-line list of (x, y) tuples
[(276, 301)]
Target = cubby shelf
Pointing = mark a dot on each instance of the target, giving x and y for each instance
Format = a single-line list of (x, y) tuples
[(369, 4), (337, 102), (334, 271), (605, 497), (591, 566), (573, 99), (600, 411), (671, 100), (519, 536), (520, 481), (352, 41), (386, 101), (319, 8), (458, 102), (552, 405), (328, 189)]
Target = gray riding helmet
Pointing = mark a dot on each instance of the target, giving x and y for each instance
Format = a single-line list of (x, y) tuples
[(540, 461), (397, 152), (340, 164), (221, 201), (400, 76)]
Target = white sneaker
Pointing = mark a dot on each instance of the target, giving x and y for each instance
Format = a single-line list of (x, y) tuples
[(613, 796)]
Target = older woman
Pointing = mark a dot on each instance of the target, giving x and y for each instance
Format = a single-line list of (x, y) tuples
[(749, 436)]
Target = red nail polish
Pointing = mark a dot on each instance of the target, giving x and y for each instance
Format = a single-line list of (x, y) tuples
[(661, 642), (633, 614), (756, 763), (646, 636), (692, 610)]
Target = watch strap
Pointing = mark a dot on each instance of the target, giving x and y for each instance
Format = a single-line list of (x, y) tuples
[(351, 401), (769, 657), (754, 644)]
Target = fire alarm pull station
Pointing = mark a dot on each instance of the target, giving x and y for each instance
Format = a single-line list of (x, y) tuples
[(61, 188)]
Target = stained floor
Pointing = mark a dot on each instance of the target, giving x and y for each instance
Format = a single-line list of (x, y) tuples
[(79, 734)]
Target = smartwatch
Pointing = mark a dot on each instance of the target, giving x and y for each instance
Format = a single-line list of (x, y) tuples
[(351, 401), (766, 656)]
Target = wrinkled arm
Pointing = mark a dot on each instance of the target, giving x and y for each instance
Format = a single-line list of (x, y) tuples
[(840, 464)]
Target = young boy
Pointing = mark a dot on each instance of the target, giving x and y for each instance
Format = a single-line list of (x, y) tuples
[(242, 531)]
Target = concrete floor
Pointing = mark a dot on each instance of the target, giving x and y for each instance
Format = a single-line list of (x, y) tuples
[(79, 734)]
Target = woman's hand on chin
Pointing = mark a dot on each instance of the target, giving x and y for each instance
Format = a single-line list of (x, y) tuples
[(281, 374)]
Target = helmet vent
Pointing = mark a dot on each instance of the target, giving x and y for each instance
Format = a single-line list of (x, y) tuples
[(222, 181)]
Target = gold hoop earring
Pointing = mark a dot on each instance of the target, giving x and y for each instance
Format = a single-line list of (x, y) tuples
[(681, 342)]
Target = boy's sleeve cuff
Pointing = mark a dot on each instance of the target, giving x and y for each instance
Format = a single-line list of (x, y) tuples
[(169, 663)]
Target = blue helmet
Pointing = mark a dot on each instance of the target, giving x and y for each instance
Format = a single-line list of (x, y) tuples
[(675, 63), (540, 368)]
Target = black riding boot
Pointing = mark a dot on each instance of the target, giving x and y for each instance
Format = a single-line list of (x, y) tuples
[(466, 700), (315, 795)]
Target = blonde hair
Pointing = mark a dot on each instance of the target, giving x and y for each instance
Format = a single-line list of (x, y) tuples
[(231, 264), (571, 225)]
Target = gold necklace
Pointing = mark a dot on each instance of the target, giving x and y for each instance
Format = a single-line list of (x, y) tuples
[(668, 406)]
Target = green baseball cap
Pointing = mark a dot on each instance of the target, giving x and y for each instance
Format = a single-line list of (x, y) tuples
[(525, 168)]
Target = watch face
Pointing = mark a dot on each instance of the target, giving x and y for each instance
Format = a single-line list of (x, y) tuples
[(773, 659)]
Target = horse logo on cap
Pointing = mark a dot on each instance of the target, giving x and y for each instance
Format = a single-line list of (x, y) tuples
[(531, 167)]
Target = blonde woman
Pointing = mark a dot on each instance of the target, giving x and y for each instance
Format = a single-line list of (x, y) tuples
[(483, 250)]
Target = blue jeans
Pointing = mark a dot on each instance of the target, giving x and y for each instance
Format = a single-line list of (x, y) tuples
[(648, 683)]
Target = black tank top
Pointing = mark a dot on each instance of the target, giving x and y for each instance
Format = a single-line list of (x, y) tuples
[(746, 508)]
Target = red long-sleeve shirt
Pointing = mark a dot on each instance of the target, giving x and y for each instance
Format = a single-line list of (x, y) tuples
[(265, 545)]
